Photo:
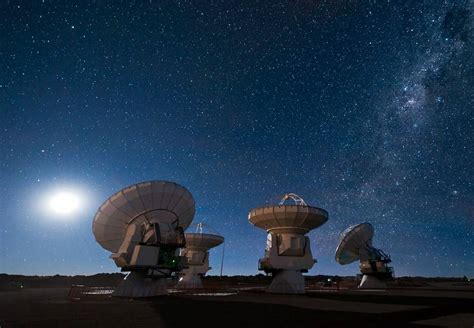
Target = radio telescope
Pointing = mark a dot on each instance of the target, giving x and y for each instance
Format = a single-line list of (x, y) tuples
[(143, 227), (356, 244), (288, 250), (197, 254)]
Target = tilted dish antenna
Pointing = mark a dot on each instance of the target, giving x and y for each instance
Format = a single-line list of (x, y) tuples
[(288, 250), (143, 227), (356, 244)]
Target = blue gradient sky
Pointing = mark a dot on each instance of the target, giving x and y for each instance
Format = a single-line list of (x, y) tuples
[(363, 109)]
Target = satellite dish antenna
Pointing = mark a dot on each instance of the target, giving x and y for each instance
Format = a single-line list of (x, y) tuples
[(143, 227), (356, 244), (288, 250), (198, 244)]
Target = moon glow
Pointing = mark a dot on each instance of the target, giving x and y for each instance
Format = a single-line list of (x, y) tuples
[(64, 203)]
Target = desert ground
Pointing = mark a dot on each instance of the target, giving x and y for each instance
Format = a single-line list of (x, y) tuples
[(27, 301)]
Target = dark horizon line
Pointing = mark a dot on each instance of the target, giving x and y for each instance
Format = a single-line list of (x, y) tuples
[(234, 275)]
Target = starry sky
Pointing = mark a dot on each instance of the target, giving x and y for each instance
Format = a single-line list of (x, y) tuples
[(363, 108)]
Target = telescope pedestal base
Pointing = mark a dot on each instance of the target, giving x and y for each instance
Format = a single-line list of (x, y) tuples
[(190, 281), (369, 281), (287, 282), (138, 284)]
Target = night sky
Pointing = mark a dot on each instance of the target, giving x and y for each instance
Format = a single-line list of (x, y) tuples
[(362, 108)]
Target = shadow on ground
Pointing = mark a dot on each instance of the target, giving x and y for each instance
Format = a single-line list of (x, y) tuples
[(182, 312)]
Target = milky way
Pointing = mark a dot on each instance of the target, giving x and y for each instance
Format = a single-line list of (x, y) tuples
[(363, 109)]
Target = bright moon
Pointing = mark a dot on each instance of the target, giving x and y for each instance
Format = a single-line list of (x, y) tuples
[(64, 203)]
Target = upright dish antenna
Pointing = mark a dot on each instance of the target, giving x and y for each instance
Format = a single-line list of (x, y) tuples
[(143, 227), (288, 250), (197, 249), (356, 244)]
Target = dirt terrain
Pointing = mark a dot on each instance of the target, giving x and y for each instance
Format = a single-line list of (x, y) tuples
[(236, 302)]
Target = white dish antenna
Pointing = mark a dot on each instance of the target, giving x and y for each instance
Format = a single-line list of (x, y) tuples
[(143, 226), (198, 244), (353, 240), (356, 244), (288, 251)]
